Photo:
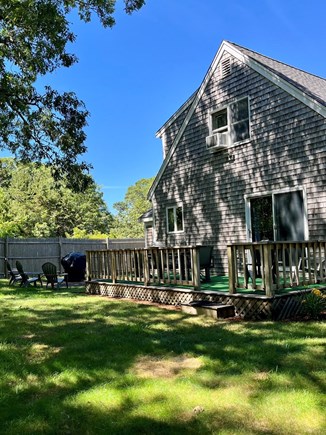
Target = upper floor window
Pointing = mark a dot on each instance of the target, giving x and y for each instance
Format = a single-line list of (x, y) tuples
[(229, 125), (174, 217)]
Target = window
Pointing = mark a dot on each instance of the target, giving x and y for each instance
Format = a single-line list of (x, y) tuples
[(230, 124), (174, 217), (239, 117), (220, 120)]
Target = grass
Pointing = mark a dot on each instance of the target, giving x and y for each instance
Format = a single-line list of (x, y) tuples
[(77, 364)]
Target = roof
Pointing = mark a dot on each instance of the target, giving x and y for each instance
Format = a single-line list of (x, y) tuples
[(309, 83), (146, 217), (308, 88), (172, 118)]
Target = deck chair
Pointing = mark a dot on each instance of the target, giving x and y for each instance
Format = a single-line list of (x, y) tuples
[(206, 262), (25, 279), (51, 275), (14, 275)]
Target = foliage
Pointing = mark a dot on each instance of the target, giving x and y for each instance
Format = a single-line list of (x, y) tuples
[(125, 223), (44, 126), (83, 234), (314, 303), (75, 364), (34, 205)]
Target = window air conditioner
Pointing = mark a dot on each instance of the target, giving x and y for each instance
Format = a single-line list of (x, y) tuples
[(217, 141)]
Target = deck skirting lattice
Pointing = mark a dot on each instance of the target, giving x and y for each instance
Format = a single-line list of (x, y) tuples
[(251, 307)]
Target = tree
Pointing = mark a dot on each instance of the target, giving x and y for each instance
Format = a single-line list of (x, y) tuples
[(45, 127), (125, 223), (34, 205)]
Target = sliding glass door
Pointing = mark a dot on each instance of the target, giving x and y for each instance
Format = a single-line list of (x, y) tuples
[(276, 216)]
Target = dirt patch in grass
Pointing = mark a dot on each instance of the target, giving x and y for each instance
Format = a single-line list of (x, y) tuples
[(147, 367)]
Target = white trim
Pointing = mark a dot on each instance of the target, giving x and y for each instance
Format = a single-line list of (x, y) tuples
[(194, 103), (272, 193), (176, 115), (288, 87), (149, 219), (229, 126), (174, 207)]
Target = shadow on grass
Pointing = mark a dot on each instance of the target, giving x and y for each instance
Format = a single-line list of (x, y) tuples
[(57, 346)]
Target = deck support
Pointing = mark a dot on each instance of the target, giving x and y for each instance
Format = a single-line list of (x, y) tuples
[(232, 268)]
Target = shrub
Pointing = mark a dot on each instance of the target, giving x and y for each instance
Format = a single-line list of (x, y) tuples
[(314, 303)]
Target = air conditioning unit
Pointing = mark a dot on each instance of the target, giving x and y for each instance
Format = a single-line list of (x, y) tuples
[(217, 141)]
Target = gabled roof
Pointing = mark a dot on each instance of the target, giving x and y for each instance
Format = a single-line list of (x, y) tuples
[(306, 87), (176, 114), (146, 217), (309, 83)]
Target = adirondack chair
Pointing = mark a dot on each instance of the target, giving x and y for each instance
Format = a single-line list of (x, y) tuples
[(52, 277), (14, 275), (26, 280)]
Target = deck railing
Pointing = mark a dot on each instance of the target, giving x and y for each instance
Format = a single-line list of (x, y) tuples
[(272, 266), (177, 265)]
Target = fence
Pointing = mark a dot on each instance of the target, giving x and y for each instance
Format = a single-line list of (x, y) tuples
[(178, 266), (34, 252), (273, 266)]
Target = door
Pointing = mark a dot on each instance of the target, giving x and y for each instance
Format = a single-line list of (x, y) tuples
[(289, 216), (261, 210), (278, 216)]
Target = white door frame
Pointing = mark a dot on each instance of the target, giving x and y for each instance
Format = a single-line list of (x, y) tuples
[(272, 193)]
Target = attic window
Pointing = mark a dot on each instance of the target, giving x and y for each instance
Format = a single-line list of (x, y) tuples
[(229, 125), (225, 67)]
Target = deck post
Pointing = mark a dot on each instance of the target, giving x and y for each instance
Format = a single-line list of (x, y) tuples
[(113, 267), (232, 270), (146, 267), (268, 277), (196, 268)]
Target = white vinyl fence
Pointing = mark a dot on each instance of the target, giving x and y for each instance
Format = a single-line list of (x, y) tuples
[(32, 253)]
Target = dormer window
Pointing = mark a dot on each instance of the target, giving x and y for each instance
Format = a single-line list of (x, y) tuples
[(229, 125)]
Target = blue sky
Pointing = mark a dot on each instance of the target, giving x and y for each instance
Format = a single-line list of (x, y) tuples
[(133, 77)]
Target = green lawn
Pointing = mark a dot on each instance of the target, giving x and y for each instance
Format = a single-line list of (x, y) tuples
[(77, 364)]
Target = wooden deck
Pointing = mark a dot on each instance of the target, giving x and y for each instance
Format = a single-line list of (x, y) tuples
[(249, 304), (267, 280)]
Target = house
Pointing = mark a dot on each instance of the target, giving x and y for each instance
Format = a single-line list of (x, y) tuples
[(244, 158)]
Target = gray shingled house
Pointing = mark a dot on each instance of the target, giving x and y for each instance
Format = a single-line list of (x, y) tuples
[(244, 158)]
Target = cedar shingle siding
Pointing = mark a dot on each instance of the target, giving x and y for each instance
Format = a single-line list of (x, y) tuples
[(287, 148)]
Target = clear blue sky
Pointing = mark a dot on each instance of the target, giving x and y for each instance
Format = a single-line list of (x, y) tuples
[(133, 77)]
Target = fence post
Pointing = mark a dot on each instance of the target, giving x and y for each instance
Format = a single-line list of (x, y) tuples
[(196, 267), (5, 259), (113, 271), (88, 267), (268, 278), (60, 252), (232, 270)]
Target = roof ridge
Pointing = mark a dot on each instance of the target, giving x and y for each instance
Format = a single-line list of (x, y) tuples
[(277, 61)]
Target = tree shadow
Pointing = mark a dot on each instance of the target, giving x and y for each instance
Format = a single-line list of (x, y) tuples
[(52, 354)]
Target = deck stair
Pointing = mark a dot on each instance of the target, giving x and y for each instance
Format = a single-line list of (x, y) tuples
[(209, 309)]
